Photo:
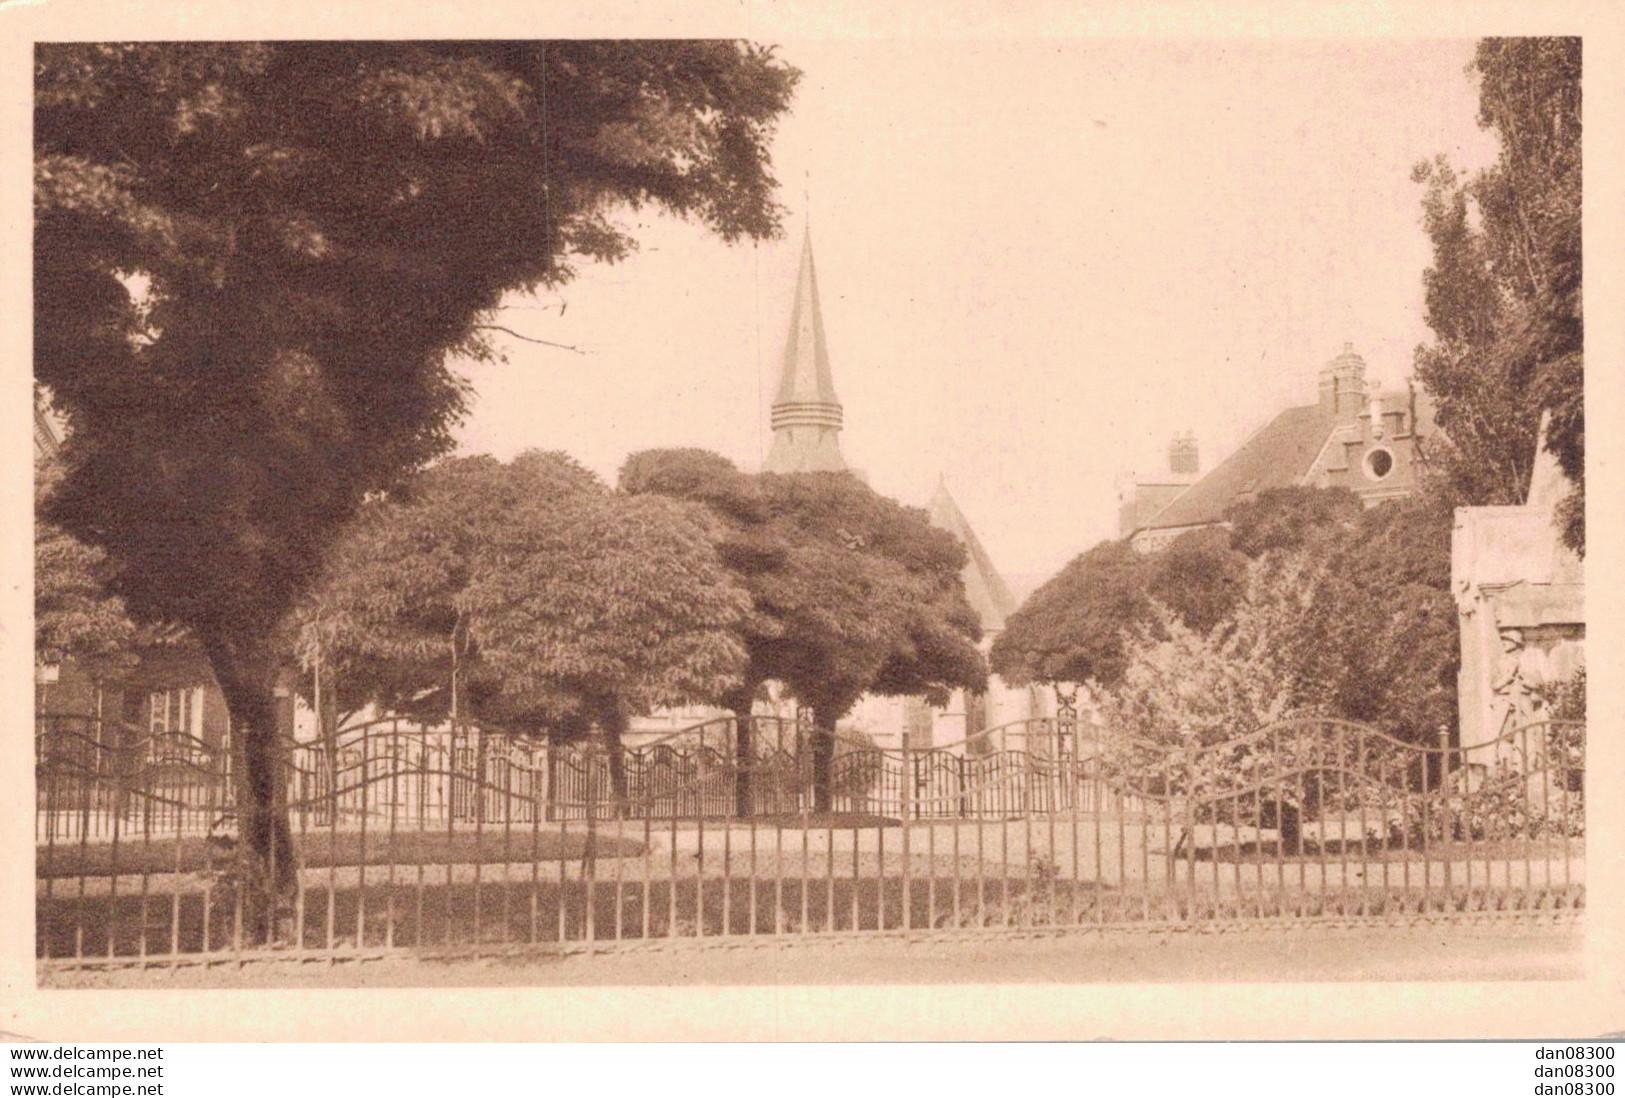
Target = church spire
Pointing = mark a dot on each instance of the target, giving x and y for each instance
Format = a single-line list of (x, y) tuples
[(806, 413)]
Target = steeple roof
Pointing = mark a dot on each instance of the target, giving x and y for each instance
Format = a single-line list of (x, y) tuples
[(806, 415), (985, 589), (805, 376)]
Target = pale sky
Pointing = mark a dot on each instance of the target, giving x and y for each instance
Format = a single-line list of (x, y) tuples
[(1038, 260)]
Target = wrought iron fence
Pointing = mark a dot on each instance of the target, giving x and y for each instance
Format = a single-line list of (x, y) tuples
[(468, 841)]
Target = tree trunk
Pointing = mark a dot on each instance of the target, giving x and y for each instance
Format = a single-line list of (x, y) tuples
[(823, 760), (744, 749), (613, 721), (1290, 823), (246, 670)]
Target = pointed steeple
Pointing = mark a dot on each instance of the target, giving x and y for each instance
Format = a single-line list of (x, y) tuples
[(985, 588), (806, 413)]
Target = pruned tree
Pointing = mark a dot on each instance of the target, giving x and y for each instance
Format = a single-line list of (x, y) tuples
[(851, 592), (255, 262), (1074, 627), (1504, 291), (530, 597)]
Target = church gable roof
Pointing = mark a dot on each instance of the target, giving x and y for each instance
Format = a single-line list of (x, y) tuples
[(1278, 455), (985, 588)]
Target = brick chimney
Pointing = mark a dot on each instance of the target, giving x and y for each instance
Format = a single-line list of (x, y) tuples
[(1184, 460), (1343, 386)]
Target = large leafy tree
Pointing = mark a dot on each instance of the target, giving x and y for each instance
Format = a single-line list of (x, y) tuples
[(1072, 629), (1386, 641), (528, 596), (851, 592), (253, 262), (1504, 291)]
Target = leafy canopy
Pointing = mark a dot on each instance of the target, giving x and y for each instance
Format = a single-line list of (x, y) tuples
[(1074, 627), (1181, 686), (1291, 518), (1386, 643), (850, 592), (1381, 646), (253, 262), (550, 601)]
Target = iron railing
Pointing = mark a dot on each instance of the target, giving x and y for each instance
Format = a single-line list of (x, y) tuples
[(470, 841)]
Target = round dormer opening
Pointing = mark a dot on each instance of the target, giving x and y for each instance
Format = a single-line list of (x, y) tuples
[(1379, 463)]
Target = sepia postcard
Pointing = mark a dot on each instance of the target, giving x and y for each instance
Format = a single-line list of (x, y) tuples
[(803, 522)]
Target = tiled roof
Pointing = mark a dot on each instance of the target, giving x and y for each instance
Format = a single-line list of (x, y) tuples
[(1277, 455), (985, 589)]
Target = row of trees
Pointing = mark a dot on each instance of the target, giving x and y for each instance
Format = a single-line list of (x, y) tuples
[(532, 597)]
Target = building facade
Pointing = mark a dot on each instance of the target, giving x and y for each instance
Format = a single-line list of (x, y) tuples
[(1140, 498), (1355, 436)]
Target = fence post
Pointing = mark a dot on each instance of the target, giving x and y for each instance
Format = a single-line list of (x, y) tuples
[(588, 856), (908, 778), (1444, 807), (551, 761), (480, 762), (1066, 724)]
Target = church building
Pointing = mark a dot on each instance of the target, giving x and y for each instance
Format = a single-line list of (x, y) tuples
[(807, 417)]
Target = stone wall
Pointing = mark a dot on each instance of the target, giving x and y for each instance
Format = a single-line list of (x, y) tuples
[(1521, 597)]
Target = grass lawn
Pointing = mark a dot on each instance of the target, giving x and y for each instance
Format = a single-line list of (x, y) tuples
[(322, 849)]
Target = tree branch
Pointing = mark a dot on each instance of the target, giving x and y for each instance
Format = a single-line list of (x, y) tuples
[(530, 339)]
